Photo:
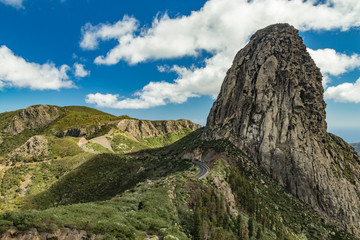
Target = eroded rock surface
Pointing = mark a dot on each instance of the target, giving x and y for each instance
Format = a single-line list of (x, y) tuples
[(271, 106), (146, 128), (36, 146), (32, 117)]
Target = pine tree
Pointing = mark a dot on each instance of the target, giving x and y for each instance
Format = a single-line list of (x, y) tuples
[(259, 233), (197, 225), (239, 226), (251, 227)]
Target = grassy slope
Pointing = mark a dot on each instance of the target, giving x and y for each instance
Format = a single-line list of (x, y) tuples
[(21, 179), (70, 117), (104, 176), (41, 175), (112, 187), (81, 117), (146, 209), (122, 143)]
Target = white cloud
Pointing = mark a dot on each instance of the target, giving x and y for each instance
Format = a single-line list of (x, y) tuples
[(13, 3), (333, 63), (346, 92), (92, 34), (15, 71), (221, 28), (80, 70), (102, 100)]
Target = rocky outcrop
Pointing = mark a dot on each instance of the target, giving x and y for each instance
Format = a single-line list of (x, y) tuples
[(32, 117), (146, 128), (36, 146), (271, 106), (79, 131), (61, 234)]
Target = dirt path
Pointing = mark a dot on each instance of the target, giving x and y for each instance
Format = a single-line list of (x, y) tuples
[(102, 140)]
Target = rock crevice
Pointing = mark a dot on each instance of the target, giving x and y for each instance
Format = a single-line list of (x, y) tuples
[(271, 106), (147, 128)]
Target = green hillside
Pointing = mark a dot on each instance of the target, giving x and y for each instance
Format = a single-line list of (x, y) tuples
[(151, 193), (123, 197)]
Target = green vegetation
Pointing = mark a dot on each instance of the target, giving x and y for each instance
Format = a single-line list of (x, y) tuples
[(97, 147), (26, 179), (124, 197), (79, 117), (104, 176), (6, 117), (147, 209), (257, 194), (122, 143), (11, 142), (164, 140), (63, 147)]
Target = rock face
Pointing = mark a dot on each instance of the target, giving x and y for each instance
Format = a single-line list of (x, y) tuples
[(146, 128), (36, 146), (78, 131), (271, 106), (32, 117)]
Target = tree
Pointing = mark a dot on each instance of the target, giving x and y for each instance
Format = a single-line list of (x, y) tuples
[(197, 225), (251, 227), (259, 233), (239, 226)]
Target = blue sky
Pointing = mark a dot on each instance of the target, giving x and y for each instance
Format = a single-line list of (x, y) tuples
[(164, 59)]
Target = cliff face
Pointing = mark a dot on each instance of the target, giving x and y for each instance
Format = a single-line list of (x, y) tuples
[(271, 106), (146, 128), (32, 117), (36, 146)]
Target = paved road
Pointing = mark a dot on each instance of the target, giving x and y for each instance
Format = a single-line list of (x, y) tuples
[(204, 170)]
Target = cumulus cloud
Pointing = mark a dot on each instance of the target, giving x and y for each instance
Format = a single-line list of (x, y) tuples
[(15, 71), (346, 92), (13, 3), (102, 100), (221, 28), (104, 31), (333, 63), (80, 70)]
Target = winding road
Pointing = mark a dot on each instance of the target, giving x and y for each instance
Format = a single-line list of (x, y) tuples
[(203, 170)]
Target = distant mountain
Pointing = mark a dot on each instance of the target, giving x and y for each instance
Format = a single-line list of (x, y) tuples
[(356, 146)]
